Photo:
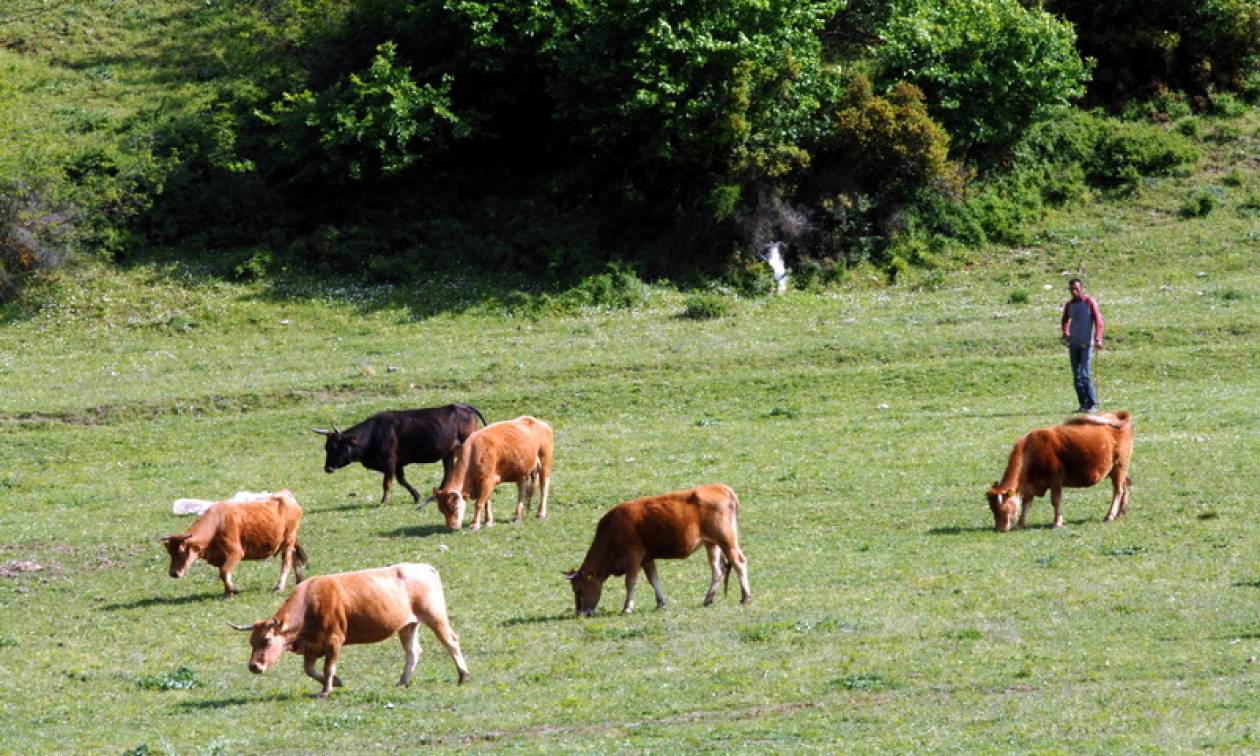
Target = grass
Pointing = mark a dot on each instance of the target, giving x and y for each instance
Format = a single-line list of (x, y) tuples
[(859, 425)]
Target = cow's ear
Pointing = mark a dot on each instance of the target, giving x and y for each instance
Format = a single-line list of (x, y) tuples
[(174, 538), (570, 574)]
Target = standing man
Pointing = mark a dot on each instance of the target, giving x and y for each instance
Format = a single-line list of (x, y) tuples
[(1083, 333)]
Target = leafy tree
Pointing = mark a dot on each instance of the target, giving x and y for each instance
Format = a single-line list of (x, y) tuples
[(989, 68)]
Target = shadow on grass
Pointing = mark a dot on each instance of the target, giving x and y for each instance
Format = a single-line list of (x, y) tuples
[(538, 620), (164, 601), (345, 507), (223, 703), (416, 531), (1247, 584), (959, 529)]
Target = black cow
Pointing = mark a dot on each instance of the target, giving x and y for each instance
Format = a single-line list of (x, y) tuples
[(387, 441)]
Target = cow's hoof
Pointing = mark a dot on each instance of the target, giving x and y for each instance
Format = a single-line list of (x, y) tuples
[(660, 605), (463, 678), (516, 520), (323, 695), (474, 527), (708, 600)]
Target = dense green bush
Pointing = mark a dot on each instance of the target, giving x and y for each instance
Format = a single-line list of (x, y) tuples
[(990, 68)]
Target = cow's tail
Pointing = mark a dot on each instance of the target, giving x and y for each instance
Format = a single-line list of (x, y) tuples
[(726, 563), (479, 415)]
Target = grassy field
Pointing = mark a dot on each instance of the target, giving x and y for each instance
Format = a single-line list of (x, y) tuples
[(860, 426)]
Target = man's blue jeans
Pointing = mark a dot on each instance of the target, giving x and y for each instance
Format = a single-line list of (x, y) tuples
[(1082, 358)]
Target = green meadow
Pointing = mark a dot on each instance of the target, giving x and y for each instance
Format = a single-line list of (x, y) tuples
[(859, 424)]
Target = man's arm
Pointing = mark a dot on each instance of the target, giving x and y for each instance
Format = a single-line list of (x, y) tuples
[(1066, 318), (1098, 321)]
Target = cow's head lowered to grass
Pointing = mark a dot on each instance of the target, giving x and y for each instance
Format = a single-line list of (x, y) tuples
[(266, 641), (183, 553), (452, 506), (587, 589), (1005, 506)]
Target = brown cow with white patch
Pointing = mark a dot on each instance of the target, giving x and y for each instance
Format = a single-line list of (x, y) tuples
[(512, 451), (330, 611), (1077, 454), (231, 531), (636, 533)]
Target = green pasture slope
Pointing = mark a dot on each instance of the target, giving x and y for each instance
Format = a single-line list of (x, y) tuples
[(859, 425)]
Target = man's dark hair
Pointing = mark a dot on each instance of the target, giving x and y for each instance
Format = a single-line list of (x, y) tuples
[(1076, 280)]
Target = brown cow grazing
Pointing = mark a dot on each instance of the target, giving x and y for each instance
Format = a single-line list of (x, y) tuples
[(330, 611), (1076, 454), (513, 451), (636, 533), (231, 531)]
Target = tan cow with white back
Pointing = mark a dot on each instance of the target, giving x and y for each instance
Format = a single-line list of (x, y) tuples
[(330, 611), (512, 451)]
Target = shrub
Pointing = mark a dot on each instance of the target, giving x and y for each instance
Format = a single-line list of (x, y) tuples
[(894, 144), (706, 307), (1018, 297), (1128, 151), (1198, 204)]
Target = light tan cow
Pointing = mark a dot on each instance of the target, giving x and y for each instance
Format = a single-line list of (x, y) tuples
[(512, 451)]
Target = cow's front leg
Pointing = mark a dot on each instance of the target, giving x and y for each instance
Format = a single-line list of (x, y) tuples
[(649, 569), (415, 495), (632, 577), (230, 561), (523, 493), (308, 664), (1025, 504), (715, 567), (330, 668), (387, 483), (481, 513), (1056, 499), (411, 647)]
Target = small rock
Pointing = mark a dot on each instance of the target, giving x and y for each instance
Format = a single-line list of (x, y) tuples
[(883, 407), (284, 322), (443, 547), (1201, 274), (1251, 660), (391, 369), (1047, 287)]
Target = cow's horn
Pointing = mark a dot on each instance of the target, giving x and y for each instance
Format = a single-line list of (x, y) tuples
[(335, 428), (240, 627), (321, 432)]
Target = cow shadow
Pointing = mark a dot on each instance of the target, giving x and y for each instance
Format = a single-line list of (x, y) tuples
[(514, 621), (960, 529), (188, 707), (345, 507), (415, 531), (164, 601), (1247, 584)]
